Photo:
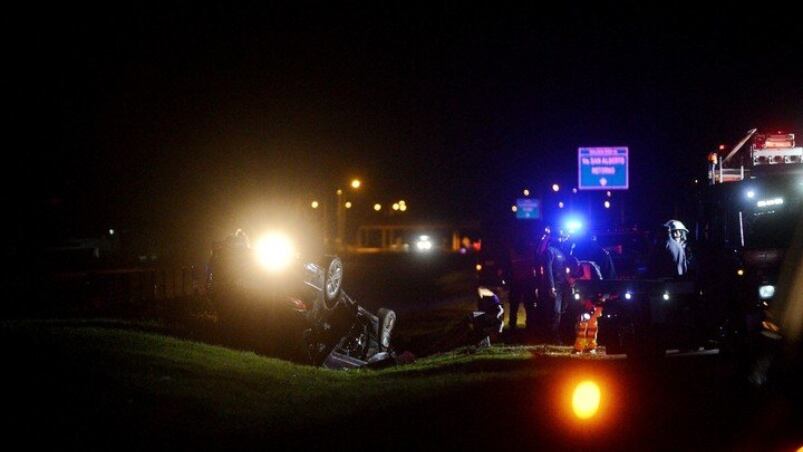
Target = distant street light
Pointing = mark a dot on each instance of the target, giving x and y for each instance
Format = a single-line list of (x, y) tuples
[(514, 208), (314, 204), (348, 204), (560, 205), (526, 192), (403, 207), (356, 183), (555, 187), (377, 207), (607, 204), (395, 206), (608, 194)]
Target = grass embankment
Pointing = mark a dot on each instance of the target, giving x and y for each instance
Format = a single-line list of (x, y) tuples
[(88, 376), (115, 385)]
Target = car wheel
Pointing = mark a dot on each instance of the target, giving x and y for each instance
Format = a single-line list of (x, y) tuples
[(332, 281), (387, 319)]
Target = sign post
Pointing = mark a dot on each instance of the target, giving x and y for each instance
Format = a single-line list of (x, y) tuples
[(603, 168), (528, 209)]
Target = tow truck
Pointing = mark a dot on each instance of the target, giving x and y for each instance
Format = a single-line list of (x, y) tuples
[(746, 217)]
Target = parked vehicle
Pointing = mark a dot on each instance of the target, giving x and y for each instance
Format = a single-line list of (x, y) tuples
[(744, 223)]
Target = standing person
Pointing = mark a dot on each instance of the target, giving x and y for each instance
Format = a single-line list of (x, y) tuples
[(591, 250), (672, 261), (521, 287), (557, 278)]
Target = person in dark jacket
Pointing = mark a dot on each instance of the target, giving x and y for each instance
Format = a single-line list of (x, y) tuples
[(557, 269), (671, 260), (591, 250), (522, 290)]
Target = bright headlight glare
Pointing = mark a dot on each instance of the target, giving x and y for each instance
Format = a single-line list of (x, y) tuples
[(766, 291), (577, 296), (424, 243), (666, 296), (628, 295), (274, 252)]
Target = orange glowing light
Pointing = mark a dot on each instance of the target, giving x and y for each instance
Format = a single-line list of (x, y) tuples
[(585, 399), (356, 183)]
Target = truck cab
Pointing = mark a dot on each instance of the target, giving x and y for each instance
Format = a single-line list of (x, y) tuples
[(744, 228)]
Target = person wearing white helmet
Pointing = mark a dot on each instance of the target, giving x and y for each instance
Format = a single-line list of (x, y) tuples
[(676, 248)]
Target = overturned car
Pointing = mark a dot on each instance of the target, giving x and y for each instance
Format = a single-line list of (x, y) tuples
[(293, 307)]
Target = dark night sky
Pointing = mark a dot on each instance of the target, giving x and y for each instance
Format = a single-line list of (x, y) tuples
[(174, 116)]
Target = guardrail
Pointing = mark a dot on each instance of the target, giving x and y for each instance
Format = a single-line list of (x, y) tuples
[(103, 288)]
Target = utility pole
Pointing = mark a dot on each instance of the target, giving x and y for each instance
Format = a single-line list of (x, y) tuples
[(339, 223)]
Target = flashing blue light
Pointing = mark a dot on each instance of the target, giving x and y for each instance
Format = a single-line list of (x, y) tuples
[(573, 225)]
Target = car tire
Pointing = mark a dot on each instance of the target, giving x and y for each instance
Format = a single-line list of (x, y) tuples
[(387, 319), (332, 281)]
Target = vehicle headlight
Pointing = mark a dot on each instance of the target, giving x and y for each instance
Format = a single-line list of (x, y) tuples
[(766, 291), (275, 252), (423, 244)]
